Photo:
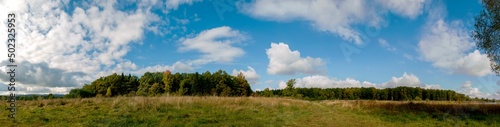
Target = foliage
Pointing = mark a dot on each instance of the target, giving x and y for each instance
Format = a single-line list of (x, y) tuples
[(167, 81), (113, 85), (147, 81), (398, 93), (267, 93), (79, 93), (219, 83), (243, 86), (50, 96), (487, 32), (289, 89)]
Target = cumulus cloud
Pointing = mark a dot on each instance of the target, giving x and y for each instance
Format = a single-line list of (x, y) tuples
[(282, 84), (467, 88), (337, 17), (250, 74), (448, 46), (216, 45), (61, 45), (40, 74), (408, 8), (405, 80), (174, 4), (325, 82), (284, 61), (89, 35), (23, 90), (319, 81), (409, 80)]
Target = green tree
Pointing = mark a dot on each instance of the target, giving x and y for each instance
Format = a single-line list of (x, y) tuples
[(487, 32), (267, 93), (147, 80), (50, 96), (243, 85), (152, 84), (183, 87), (226, 92), (155, 89), (40, 98), (194, 84), (167, 80), (120, 85), (289, 90), (206, 83), (109, 93), (176, 81), (79, 93)]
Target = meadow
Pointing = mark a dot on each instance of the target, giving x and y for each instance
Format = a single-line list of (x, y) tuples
[(247, 111)]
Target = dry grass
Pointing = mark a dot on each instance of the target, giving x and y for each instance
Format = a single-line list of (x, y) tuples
[(245, 111), (450, 107)]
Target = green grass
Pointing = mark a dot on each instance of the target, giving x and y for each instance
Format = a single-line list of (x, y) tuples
[(245, 111)]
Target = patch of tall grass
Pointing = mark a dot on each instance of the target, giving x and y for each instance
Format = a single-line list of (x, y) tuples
[(246, 111)]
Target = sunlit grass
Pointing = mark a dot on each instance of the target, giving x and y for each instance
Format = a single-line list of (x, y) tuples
[(246, 111)]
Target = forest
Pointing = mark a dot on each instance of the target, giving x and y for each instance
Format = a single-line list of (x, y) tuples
[(219, 83), (401, 93)]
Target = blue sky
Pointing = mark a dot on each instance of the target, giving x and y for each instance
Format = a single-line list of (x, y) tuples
[(64, 44)]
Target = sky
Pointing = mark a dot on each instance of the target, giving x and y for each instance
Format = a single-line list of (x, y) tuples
[(64, 44)]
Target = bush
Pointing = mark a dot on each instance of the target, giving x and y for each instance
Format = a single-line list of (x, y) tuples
[(418, 99), (79, 93)]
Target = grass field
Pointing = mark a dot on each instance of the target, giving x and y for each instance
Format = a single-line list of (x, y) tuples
[(246, 111)]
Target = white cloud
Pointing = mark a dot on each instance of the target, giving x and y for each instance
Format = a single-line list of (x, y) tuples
[(89, 35), (325, 82), (409, 80), (337, 17), (40, 74), (174, 4), (448, 46), (216, 45), (467, 89), (23, 90), (405, 80), (475, 63), (319, 81), (408, 8), (282, 85), (284, 61), (250, 74), (61, 48)]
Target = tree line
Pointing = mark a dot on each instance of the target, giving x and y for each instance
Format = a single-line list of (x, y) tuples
[(33, 97), (371, 93), (219, 83)]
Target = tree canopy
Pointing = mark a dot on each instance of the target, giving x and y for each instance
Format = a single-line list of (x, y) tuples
[(219, 83), (487, 32), (399, 93)]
